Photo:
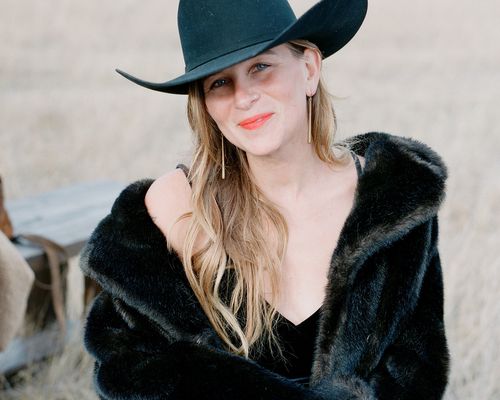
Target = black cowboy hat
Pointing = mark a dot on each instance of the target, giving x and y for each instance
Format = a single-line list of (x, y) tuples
[(216, 34)]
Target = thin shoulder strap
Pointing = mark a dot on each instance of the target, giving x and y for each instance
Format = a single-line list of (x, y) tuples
[(185, 170), (359, 169)]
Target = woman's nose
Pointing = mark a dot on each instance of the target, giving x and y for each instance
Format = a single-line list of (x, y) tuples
[(245, 95)]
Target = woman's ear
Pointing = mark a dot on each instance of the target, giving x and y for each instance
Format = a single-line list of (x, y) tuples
[(312, 58)]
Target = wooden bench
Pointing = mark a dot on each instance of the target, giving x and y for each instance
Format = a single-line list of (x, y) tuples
[(66, 216)]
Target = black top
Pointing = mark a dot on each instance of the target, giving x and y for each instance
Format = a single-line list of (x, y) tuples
[(297, 341), (297, 344)]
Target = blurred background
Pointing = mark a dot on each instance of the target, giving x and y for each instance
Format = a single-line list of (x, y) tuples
[(423, 69)]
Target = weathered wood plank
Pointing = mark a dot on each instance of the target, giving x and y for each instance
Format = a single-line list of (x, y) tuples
[(67, 216)]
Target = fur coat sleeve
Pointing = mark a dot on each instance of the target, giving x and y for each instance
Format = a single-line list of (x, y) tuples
[(381, 332)]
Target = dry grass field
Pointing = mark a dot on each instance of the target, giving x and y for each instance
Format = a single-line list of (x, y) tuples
[(424, 69)]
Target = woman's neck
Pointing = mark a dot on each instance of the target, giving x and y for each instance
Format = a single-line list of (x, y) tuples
[(287, 179)]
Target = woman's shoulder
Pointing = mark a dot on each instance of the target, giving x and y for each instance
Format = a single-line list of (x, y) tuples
[(168, 197)]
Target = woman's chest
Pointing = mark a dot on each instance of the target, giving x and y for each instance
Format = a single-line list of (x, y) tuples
[(312, 240)]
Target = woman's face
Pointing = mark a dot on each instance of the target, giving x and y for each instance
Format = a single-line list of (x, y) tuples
[(260, 104)]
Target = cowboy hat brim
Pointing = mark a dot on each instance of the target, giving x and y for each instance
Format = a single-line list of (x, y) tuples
[(330, 24)]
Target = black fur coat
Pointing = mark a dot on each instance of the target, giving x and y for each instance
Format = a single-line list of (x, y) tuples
[(381, 332)]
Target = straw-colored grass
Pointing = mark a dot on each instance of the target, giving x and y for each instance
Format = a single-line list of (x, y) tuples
[(425, 69), (67, 376)]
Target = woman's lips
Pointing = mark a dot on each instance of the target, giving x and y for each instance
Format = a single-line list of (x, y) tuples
[(255, 122)]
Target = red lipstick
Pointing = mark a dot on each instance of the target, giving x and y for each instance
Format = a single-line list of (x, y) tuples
[(256, 121)]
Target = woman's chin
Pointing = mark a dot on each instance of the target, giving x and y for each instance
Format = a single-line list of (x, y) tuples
[(261, 151), (262, 144)]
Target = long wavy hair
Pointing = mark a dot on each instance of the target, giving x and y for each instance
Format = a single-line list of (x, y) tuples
[(238, 220)]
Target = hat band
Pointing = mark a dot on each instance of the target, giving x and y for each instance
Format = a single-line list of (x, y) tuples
[(249, 42)]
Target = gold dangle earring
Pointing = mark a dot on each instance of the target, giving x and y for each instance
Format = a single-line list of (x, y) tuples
[(223, 163), (309, 114)]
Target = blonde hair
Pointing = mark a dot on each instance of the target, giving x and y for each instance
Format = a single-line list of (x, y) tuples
[(238, 221)]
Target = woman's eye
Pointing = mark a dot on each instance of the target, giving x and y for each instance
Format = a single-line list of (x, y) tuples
[(261, 66), (218, 83)]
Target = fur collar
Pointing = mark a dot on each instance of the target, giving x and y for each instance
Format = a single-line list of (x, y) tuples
[(402, 186)]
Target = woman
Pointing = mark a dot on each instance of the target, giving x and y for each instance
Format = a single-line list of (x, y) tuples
[(219, 281)]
